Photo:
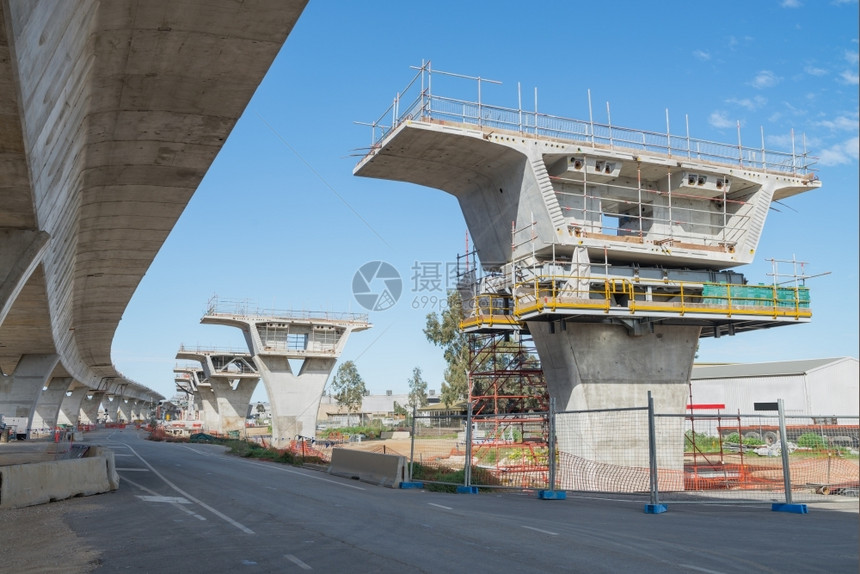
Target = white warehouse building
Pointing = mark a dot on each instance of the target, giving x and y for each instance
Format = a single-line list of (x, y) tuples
[(811, 387)]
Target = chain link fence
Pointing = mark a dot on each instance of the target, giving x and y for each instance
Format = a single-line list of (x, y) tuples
[(692, 457)]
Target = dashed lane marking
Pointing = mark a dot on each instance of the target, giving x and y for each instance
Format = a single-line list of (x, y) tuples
[(551, 533), (297, 562)]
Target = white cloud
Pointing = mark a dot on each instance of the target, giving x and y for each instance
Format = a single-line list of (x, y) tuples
[(850, 77), (750, 104), (765, 79), (720, 120), (841, 123), (791, 4), (852, 57), (813, 71), (701, 55), (841, 153)]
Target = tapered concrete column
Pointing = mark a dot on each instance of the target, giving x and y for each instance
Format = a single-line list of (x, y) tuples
[(590, 366), (90, 407), (232, 378), (48, 405), (233, 401), (20, 391), (209, 407), (111, 407), (124, 410), (70, 408), (294, 397), (275, 338)]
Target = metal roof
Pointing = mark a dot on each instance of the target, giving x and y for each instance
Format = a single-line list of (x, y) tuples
[(740, 370)]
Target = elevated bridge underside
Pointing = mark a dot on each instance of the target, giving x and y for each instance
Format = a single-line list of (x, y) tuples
[(110, 115)]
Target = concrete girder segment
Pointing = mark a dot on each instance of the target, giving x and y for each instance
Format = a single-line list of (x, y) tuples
[(276, 339), (110, 115)]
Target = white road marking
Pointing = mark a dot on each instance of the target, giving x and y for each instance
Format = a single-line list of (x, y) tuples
[(200, 452), (696, 568), (542, 531), (297, 562), (440, 506), (175, 504), (220, 515), (132, 469), (170, 499), (281, 469)]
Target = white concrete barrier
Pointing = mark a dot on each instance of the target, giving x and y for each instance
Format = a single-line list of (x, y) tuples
[(394, 434), (37, 483), (371, 467)]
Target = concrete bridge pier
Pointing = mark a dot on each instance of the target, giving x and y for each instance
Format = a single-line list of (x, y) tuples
[(591, 366), (90, 407), (48, 405), (312, 342), (70, 408), (294, 396), (232, 379), (124, 409), (111, 406), (233, 401), (19, 392)]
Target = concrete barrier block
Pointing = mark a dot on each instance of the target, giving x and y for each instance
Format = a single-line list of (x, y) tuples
[(371, 467), (30, 484), (110, 463)]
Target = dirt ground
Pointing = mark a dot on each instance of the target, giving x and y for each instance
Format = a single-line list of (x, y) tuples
[(38, 539)]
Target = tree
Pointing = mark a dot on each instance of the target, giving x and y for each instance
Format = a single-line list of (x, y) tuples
[(445, 332), (417, 389), (348, 387)]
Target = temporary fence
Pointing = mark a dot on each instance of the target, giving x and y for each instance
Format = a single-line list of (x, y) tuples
[(670, 457)]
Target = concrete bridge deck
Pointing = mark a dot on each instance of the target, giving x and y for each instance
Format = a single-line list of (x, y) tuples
[(110, 115)]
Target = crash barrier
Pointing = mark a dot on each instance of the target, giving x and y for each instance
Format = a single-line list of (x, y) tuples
[(693, 456), (37, 483), (374, 468)]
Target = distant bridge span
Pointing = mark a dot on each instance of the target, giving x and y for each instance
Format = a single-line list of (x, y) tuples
[(110, 115)]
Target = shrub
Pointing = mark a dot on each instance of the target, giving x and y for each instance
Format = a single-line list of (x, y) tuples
[(811, 440)]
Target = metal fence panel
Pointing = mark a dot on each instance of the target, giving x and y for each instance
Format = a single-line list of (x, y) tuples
[(739, 457)]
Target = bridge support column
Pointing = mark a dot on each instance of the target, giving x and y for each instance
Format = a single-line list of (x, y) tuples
[(20, 391), (294, 397), (123, 408), (208, 404), (232, 403), (48, 406), (90, 407), (70, 408), (592, 366), (274, 338), (111, 406)]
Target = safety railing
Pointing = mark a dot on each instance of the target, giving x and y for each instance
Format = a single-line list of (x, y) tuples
[(245, 308), (418, 102), (553, 293)]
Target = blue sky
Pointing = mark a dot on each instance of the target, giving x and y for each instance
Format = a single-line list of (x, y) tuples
[(280, 220)]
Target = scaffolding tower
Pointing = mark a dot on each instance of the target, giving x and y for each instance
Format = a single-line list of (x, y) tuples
[(508, 397)]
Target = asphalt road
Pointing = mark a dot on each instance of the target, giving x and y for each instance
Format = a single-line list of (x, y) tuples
[(192, 508)]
